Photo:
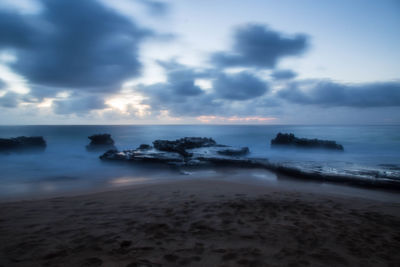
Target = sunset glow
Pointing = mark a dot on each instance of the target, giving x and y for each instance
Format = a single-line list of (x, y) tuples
[(235, 119)]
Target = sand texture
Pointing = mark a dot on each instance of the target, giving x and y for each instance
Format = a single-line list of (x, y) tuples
[(200, 223)]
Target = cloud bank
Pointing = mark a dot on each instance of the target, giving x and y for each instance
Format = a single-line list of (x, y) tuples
[(75, 45), (257, 46), (89, 50), (330, 94)]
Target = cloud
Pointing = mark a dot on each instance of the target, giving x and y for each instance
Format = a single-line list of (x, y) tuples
[(257, 46), (9, 100), (283, 74), (181, 79), (331, 94), (178, 90), (179, 94), (14, 30), (155, 8), (78, 104), (73, 44), (182, 97), (164, 96), (2, 84), (240, 86)]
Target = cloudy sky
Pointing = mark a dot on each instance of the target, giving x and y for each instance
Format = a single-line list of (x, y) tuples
[(209, 61)]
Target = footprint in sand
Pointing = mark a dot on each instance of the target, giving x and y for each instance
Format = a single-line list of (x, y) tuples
[(92, 262), (143, 263), (171, 257)]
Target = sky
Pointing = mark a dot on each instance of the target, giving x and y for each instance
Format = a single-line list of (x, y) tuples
[(199, 62)]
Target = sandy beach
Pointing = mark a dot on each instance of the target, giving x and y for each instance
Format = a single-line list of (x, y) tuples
[(201, 223)]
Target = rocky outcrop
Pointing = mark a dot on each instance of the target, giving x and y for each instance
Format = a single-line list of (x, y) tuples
[(284, 139), (241, 151), (100, 142), (22, 143), (188, 151), (144, 147), (181, 146), (203, 153)]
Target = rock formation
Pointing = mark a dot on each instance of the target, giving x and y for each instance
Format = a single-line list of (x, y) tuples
[(22, 143), (100, 142), (284, 139)]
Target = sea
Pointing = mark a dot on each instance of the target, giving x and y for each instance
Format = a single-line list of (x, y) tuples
[(67, 166)]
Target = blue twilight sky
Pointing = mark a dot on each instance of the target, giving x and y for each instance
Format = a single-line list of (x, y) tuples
[(210, 61)]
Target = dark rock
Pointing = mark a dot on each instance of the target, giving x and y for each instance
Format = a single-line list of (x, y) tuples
[(101, 139), (283, 139), (100, 142), (22, 143), (211, 156), (234, 151), (144, 147), (144, 156), (181, 145), (113, 154), (188, 151)]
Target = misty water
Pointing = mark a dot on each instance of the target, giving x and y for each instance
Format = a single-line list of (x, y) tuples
[(66, 165)]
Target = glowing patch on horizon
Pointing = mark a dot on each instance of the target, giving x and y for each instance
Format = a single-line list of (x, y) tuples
[(165, 116), (121, 181), (221, 119), (126, 103)]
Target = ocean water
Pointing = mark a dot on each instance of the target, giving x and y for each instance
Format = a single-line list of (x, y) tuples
[(66, 165)]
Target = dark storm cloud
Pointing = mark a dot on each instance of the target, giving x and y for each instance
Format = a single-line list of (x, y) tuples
[(257, 46), (240, 86), (73, 44), (9, 100), (283, 74), (155, 8), (328, 93), (14, 30), (78, 104)]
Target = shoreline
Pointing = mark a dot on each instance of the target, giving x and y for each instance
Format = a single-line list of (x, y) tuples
[(201, 223), (243, 175)]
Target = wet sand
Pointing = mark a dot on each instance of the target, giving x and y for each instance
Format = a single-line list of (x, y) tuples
[(201, 223)]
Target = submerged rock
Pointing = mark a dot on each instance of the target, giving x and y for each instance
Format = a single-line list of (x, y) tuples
[(181, 145), (284, 139), (234, 151), (147, 155), (144, 147), (100, 142), (22, 143)]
